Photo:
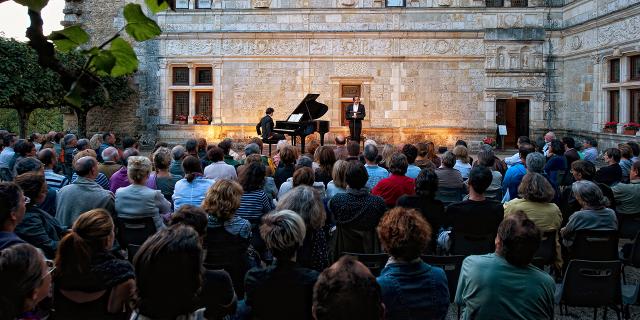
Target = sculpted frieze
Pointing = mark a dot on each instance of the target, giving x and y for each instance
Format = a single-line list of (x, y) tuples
[(516, 82), (189, 47), (607, 35)]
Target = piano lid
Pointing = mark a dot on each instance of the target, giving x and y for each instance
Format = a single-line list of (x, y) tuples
[(310, 108)]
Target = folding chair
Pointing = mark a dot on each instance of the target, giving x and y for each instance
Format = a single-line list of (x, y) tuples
[(595, 245), (468, 244), (546, 254), (449, 195), (375, 261)]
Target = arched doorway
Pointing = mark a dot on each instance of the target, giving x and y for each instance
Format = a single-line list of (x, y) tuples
[(514, 113)]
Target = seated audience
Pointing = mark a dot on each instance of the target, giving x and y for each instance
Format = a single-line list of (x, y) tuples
[(515, 173), (341, 148), (376, 173), (424, 200), (282, 290), (276, 157), (218, 169), (161, 179), (347, 290), (627, 196), (338, 183), (327, 159), (166, 289), (356, 214), (192, 188), (101, 178), (590, 151), (25, 279), (303, 162), (448, 177), (594, 214), (111, 162), (287, 165), (12, 211), (411, 152), (625, 161), (477, 215), (139, 201), (38, 227), (68, 206), (226, 145), (570, 152), (387, 152), (397, 184), (411, 289), (120, 178), (177, 154), (269, 183), (7, 157), (512, 160), (254, 202), (556, 163), (307, 202), (462, 161), (487, 159), (504, 284), (49, 159), (612, 173), (228, 236), (581, 170), (90, 282)]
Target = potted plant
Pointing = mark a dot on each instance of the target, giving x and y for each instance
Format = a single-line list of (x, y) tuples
[(631, 128), (201, 119), (490, 141), (180, 119), (611, 127)]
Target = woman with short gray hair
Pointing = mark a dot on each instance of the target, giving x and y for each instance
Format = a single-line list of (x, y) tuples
[(137, 200), (307, 203), (594, 214)]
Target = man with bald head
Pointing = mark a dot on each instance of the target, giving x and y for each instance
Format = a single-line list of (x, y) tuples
[(110, 164), (341, 148), (82, 195)]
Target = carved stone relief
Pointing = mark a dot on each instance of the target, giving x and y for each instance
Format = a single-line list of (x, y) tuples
[(190, 47), (513, 57), (351, 69), (516, 82)]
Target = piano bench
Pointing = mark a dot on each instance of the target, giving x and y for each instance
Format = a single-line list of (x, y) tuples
[(270, 142)]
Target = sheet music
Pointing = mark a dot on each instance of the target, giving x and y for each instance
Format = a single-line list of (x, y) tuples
[(295, 117)]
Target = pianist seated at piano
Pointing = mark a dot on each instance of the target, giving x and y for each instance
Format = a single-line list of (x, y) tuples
[(264, 128)]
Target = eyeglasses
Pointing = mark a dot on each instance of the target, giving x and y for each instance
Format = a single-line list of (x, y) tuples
[(27, 200), (50, 266)]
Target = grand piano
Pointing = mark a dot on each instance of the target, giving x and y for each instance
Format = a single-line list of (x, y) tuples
[(303, 121)]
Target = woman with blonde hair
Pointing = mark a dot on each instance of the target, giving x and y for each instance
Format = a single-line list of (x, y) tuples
[(139, 201), (387, 153), (161, 179), (90, 282), (338, 184), (462, 161), (95, 142)]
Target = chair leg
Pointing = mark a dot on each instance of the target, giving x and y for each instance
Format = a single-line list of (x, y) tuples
[(458, 312), (624, 277), (595, 313), (604, 315)]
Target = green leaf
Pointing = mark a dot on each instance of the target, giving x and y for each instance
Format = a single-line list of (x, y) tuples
[(35, 5), (126, 60), (103, 62), (69, 38), (139, 26), (74, 96), (157, 5)]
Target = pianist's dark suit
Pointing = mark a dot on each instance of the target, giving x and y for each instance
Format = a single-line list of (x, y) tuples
[(264, 128), (355, 125)]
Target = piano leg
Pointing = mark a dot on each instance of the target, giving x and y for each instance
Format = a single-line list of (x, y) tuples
[(293, 140), (302, 138), (322, 139)]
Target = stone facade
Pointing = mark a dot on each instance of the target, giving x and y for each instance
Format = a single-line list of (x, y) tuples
[(434, 69)]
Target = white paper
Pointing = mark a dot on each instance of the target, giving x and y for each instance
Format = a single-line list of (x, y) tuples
[(295, 117), (502, 130)]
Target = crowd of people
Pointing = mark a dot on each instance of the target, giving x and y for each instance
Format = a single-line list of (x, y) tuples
[(240, 234)]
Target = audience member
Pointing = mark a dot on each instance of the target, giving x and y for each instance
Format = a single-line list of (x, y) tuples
[(448, 177), (353, 149), (625, 161), (627, 196), (515, 173), (338, 184), (411, 152), (432, 155), (69, 142), (202, 149), (191, 146), (347, 290), (163, 180), (194, 217), (462, 161), (12, 211), (101, 178), (178, 155), (95, 142), (26, 280), (341, 147), (108, 140), (594, 214), (581, 170), (7, 157), (269, 183), (82, 195), (283, 290), (635, 148), (512, 160), (49, 159), (397, 184), (29, 164), (139, 201), (192, 188), (590, 151), (556, 163), (110, 162), (218, 169), (307, 202), (38, 227), (303, 162), (287, 165), (424, 200), (327, 159), (276, 157), (23, 149), (504, 285), (487, 159), (570, 152), (303, 177), (254, 202), (120, 178), (226, 146), (411, 289), (612, 173), (548, 137), (535, 163), (356, 213), (375, 172), (90, 282), (166, 289)]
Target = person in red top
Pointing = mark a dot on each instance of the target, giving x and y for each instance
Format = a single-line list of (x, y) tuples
[(397, 184)]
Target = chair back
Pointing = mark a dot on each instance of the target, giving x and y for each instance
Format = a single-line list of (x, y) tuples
[(635, 252), (595, 245), (494, 195), (374, 261), (628, 225), (592, 284), (451, 266), (449, 195), (546, 254), (468, 244), (132, 249), (228, 252), (134, 230)]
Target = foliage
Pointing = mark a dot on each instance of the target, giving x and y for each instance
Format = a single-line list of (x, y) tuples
[(40, 120), (632, 126), (611, 125), (490, 141)]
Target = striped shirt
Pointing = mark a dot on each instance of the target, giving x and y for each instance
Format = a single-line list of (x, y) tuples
[(101, 179), (55, 181), (253, 205)]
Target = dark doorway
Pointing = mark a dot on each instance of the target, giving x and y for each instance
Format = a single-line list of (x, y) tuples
[(514, 113)]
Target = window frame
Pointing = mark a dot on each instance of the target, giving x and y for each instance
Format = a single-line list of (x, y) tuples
[(634, 65), (198, 107), (197, 5), (494, 3), (183, 8), (197, 76), (613, 97), (174, 77), (614, 70), (524, 3), (347, 100), (634, 110), (403, 5), (174, 98)]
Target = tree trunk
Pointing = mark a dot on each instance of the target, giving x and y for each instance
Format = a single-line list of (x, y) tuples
[(82, 123), (23, 119)]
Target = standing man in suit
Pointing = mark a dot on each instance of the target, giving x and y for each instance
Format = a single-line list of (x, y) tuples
[(264, 128), (355, 114)]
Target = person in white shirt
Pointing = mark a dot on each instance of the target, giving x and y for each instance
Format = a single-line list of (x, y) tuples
[(548, 137), (510, 161), (355, 113)]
